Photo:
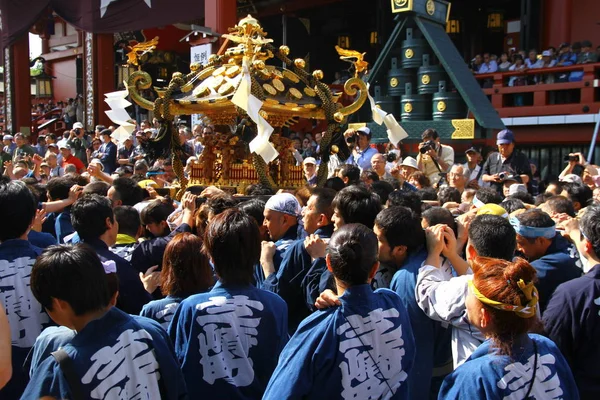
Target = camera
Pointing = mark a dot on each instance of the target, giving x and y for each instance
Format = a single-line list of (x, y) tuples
[(502, 175), (571, 158), (351, 139), (428, 145), (391, 157)]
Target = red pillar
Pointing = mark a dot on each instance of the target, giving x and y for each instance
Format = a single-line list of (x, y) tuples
[(220, 15), (21, 86), (557, 22), (104, 76)]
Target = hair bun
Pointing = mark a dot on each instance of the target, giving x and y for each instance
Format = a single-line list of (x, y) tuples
[(519, 269)]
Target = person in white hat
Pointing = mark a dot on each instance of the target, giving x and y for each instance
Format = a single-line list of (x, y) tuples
[(309, 165), (360, 142), (79, 142), (9, 145)]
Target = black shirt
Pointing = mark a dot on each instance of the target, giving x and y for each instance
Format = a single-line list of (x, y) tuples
[(516, 164)]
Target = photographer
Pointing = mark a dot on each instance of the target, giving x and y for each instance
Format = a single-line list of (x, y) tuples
[(362, 152), (79, 142), (575, 165), (506, 163), (434, 158)]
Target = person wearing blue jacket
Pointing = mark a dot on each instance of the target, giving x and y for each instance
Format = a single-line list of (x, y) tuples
[(572, 317), (25, 315), (402, 244), (229, 339), (296, 261), (353, 204), (94, 221), (512, 363), (108, 152), (548, 252), (113, 354), (361, 348)]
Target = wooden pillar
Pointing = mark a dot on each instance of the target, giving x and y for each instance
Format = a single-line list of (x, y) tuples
[(104, 75), (21, 86), (220, 15), (557, 22)]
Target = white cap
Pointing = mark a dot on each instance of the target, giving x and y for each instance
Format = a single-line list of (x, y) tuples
[(409, 162), (7, 137), (77, 125), (546, 53), (364, 130), (97, 162), (63, 145), (571, 178), (517, 187), (309, 160)]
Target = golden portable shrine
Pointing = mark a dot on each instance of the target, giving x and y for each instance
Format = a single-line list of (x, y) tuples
[(286, 94)]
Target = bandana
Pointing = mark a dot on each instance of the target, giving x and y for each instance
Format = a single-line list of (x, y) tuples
[(284, 203), (477, 203), (532, 232), (527, 311)]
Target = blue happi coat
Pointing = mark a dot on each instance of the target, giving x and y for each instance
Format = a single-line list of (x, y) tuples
[(117, 356), (287, 280), (557, 266), (360, 350), (162, 310), (282, 245), (228, 341), (25, 315), (486, 375), (432, 341), (572, 321)]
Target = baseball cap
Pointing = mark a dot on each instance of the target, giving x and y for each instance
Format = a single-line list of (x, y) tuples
[(364, 131), (492, 209), (106, 132), (571, 178), (505, 137), (516, 188), (64, 145), (77, 125), (472, 150), (52, 145), (546, 53), (309, 160), (563, 45), (7, 137)]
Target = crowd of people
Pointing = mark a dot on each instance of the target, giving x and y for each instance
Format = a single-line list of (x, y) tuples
[(402, 277), (514, 61)]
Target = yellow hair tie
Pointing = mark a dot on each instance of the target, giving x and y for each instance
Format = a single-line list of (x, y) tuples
[(527, 311)]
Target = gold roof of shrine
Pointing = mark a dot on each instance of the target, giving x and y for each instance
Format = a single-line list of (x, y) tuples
[(287, 93)]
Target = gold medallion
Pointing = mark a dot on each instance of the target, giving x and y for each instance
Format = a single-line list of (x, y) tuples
[(291, 105), (409, 53), (269, 89), (271, 101), (295, 93), (400, 3), (441, 106), (225, 89), (278, 85), (232, 71), (408, 108), (310, 106), (217, 81), (393, 82), (309, 92), (425, 79), (202, 90), (291, 76), (430, 7), (219, 71)]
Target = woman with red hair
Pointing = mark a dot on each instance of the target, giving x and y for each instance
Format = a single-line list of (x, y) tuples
[(511, 363), (185, 271)]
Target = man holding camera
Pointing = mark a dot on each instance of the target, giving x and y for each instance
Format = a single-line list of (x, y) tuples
[(506, 163), (79, 142), (434, 158), (360, 142)]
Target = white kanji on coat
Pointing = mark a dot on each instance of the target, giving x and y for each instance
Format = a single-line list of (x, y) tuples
[(25, 314), (373, 351), (126, 370), (518, 379), (229, 331), (165, 315)]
